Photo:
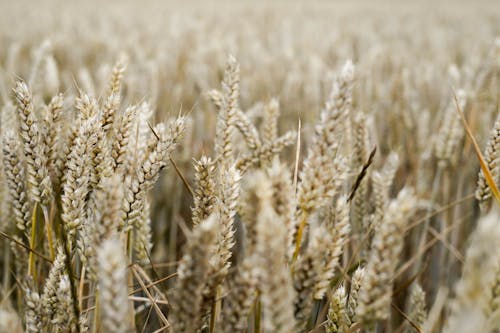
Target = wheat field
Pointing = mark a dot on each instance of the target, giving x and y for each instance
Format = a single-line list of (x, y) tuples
[(260, 167)]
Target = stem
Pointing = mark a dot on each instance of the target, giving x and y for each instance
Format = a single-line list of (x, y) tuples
[(314, 314), (80, 288), (423, 235), (455, 234), (130, 251), (444, 223), (257, 319), (298, 239), (31, 264), (95, 325), (74, 296), (130, 281), (6, 275), (215, 310), (434, 262), (48, 227)]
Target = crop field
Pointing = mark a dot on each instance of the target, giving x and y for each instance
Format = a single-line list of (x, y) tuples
[(249, 166)]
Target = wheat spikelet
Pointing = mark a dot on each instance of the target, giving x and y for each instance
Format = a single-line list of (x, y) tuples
[(204, 196), (483, 192), (216, 98), (247, 129), (192, 270), (112, 102), (337, 229), (137, 151), (33, 311), (50, 288), (110, 199), (376, 291), (270, 122), (39, 187), (229, 193), (103, 219), (451, 132), (87, 107), (52, 124), (352, 304), (87, 110), (265, 152), (241, 121), (161, 145), (122, 137), (238, 304), (493, 307), (142, 236), (249, 205), (360, 155), (117, 75), (160, 148), (418, 312), (141, 134), (112, 277), (382, 181), (100, 165), (74, 127), (309, 204), (283, 200), (467, 309), (76, 181), (229, 187), (109, 109), (306, 273), (14, 174), (275, 283), (317, 186), (64, 319), (337, 318), (227, 115)]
